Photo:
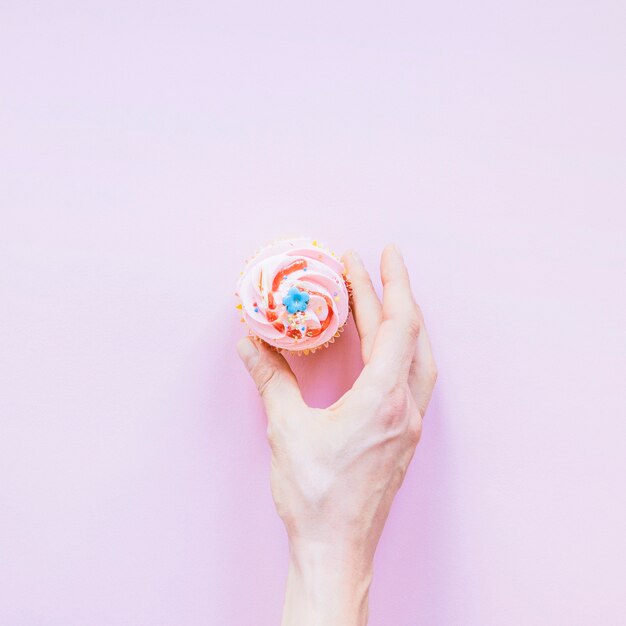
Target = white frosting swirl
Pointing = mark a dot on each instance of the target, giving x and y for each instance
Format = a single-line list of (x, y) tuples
[(303, 267)]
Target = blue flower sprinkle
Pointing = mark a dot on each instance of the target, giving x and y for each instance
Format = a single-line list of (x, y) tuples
[(296, 300)]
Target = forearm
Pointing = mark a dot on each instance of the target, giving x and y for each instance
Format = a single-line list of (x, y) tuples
[(326, 588)]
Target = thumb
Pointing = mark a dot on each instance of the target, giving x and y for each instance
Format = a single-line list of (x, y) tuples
[(276, 382)]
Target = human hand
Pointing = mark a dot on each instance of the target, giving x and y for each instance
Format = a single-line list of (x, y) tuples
[(335, 471)]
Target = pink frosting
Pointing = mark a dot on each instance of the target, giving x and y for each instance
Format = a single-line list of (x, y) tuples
[(310, 269)]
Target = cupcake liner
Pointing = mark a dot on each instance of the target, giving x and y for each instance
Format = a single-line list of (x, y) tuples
[(304, 351)]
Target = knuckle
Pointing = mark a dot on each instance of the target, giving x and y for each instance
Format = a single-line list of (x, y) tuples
[(398, 398), (414, 430), (433, 373), (266, 378), (272, 441), (276, 435), (413, 324), (394, 405)]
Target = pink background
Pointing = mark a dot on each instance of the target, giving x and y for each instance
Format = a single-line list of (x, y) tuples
[(147, 148)]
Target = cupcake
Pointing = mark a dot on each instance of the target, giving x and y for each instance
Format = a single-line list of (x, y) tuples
[(294, 295)]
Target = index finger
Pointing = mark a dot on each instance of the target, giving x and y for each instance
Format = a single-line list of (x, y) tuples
[(367, 308)]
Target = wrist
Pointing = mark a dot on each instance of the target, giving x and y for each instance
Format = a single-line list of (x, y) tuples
[(326, 586)]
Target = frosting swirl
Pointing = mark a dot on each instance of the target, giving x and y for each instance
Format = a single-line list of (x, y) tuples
[(294, 295)]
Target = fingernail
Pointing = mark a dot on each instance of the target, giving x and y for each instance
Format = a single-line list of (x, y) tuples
[(248, 352), (356, 257), (398, 251)]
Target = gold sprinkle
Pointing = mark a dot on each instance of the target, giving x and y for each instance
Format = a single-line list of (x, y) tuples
[(239, 306), (315, 242)]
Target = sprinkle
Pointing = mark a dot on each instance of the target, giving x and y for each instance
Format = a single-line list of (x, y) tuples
[(256, 309), (303, 328), (319, 309), (335, 293), (315, 242), (296, 300), (336, 298), (239, 306)]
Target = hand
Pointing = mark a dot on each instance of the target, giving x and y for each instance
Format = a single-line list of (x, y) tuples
[(335, 471)]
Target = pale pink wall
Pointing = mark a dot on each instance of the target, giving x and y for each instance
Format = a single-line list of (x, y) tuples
[(146, 148)]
